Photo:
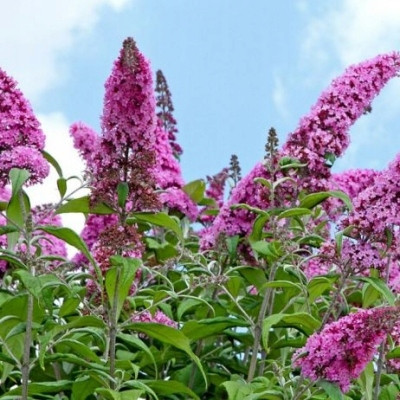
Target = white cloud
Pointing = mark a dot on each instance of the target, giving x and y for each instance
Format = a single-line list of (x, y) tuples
[(33, 34), (279, 97), (354, 30)]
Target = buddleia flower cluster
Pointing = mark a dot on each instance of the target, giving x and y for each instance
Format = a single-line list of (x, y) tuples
[(21, 138), (341, 351)]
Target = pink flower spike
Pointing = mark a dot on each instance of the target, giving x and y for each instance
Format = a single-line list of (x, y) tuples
[(21, 138), (341, 351)]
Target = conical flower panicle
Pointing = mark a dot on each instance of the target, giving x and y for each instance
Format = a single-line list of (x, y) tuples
[(323, 133), (341, 351), (168, 171), (86, 141), (165, 110), (126, 149), (21, 138), (215, 190)]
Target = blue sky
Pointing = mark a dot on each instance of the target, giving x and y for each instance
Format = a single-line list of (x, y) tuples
[(234, 67)]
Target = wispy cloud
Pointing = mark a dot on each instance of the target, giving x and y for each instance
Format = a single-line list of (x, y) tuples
[(353, 31), (33, 35), (279, 97)]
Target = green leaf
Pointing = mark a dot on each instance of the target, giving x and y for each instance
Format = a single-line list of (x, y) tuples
[(342, 196), (301, 321), (313, 199), (366, 381), (389, 392), (268, 323), (195, 190), (168, 335), (288, 162), (319, 285), (43, 387), (159, 219), (231, 244), (258, 227), (53, 162), (265, 182), (5, 358), (369, 295), (119, 279), (36, 284), (113, 395), (312, 240), (131, 395), (330, 159), (234, 285), (283, 284), (395, 353), (17, 210), (122, 192), (237, 390), (73, 239), (136, 342), (210, 202), (80, 349), (185, 306), (282, 180), (69, 306), (196, 330), (380, 286), (82, 205), (8, 229), (270, 250), (245, 206), (170, 387), (294, 212), (13, 260), (62, 186), (255, 276), (3, 205), (18, 177), (331, 390), (83, 387), (82, 321)]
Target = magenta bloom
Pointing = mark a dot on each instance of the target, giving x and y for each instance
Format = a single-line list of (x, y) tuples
[(94, 226), (86, 141), (168, 176), (321, 133), (377, 207), (168, 170), (353, 181), (324, 131), (126, 149), (395, 334), (177, 199), (239, 221), (159, 317), (215, 190), (21, 137), (340, 352)]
